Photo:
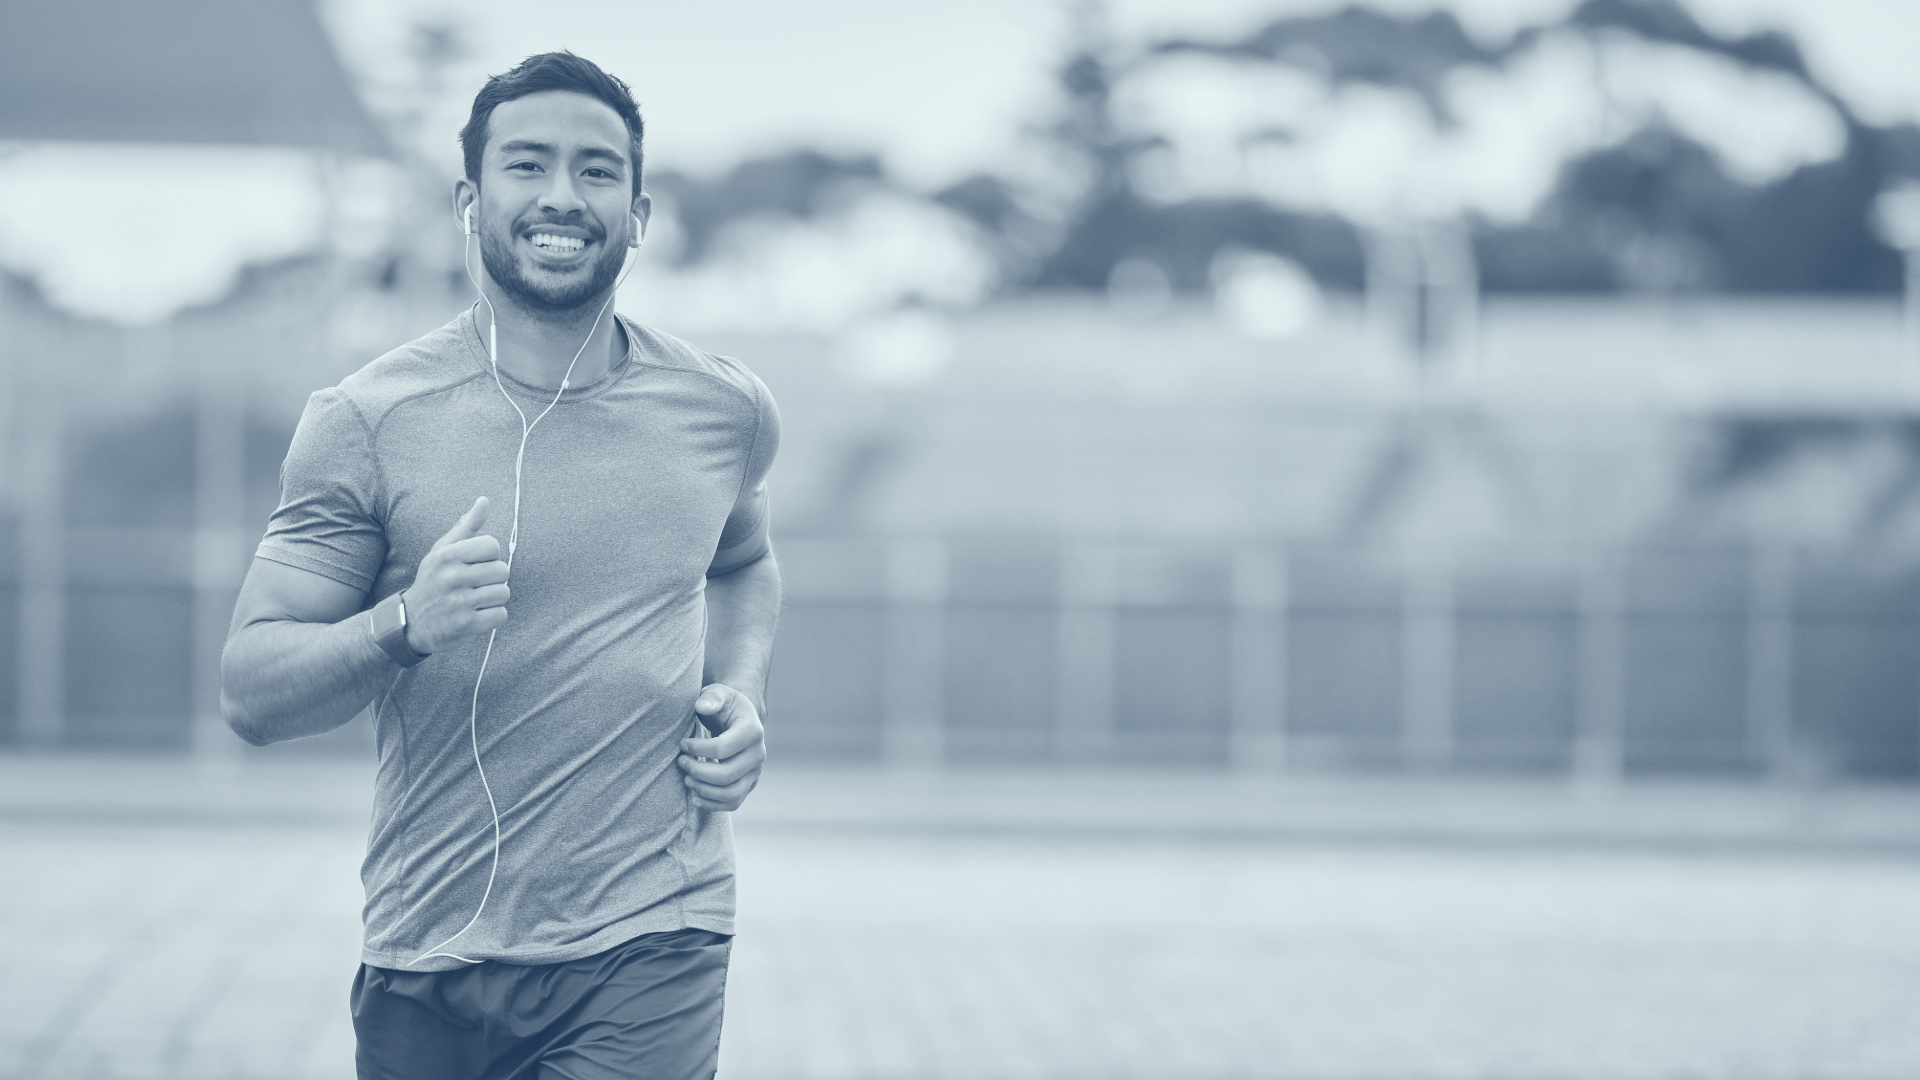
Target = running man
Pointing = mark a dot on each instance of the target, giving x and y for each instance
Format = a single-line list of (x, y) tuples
[(536, 542)]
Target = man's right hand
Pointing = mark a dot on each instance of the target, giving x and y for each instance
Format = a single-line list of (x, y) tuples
[(461, 587)]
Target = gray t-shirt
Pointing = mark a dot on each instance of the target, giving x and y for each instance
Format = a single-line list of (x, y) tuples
[(631, 486)]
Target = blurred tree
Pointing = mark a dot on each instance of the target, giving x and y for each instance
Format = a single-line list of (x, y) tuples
[(1652, 207), (1183, 239), (1668, 21), (799, 184), (1020, 236), (1420, 276), (1659, 213), (1361, 45), (1112, 222), (1623, 189)]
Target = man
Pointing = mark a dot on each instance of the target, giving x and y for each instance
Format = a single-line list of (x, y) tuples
[(536, 541)]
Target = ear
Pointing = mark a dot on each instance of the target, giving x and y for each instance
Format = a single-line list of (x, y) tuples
[(642, 212), (466, 199)]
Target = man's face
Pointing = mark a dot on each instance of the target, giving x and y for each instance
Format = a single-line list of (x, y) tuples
[(556, 189)]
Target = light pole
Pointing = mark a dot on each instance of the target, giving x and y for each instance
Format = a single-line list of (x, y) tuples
[(1896, 217)]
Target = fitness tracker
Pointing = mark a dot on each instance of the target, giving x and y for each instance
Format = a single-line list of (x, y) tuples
[(388, 624)]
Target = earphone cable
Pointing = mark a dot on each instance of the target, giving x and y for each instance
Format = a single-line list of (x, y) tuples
[(513, 539)]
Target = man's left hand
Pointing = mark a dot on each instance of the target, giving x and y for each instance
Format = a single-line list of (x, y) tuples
[(735, 754)]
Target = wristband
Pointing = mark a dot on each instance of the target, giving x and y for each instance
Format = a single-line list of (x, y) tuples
[(387, 622)]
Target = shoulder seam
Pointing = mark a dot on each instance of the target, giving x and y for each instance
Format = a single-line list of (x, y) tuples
[(367, 434), (373, 432), (759, 428), (640, 360), (752, 397)]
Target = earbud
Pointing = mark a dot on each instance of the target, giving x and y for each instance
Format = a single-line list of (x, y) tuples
[(468, 226), (639, 230)]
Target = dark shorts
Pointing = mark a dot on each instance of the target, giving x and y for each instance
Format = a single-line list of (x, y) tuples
[(648, 1008)]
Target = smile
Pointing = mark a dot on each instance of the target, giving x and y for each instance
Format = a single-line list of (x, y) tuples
[(558, 244)]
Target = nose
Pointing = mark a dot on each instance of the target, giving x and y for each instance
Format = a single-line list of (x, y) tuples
[(562, 197)]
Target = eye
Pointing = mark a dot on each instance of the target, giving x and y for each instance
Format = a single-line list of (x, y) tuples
[(599, 173), (530, 166)]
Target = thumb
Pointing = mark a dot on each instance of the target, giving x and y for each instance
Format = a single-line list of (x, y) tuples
[(469, 524), (711, 706), (712, 699)]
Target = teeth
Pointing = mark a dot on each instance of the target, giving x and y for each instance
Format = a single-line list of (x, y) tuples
[(558, 243)]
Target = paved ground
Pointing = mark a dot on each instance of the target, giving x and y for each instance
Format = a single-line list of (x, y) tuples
[(160, 923)]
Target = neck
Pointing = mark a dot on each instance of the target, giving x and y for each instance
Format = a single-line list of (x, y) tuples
[(537, 346)]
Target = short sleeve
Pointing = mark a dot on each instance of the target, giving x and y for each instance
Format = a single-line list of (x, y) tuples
[(748, 522), (327, 521)]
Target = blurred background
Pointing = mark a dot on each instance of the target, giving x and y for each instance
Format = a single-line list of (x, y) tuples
[(1258, 474)]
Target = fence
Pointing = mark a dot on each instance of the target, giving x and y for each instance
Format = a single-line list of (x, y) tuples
[(1726, 660), (1597, 664)]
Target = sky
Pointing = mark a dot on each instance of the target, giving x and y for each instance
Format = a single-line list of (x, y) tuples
[(939, 88)]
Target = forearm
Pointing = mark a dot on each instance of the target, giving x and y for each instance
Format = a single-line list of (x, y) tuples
[(283, 679), (743, 611)]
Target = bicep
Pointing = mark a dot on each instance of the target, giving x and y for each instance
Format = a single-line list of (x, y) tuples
[(276, 592), (745, 540), (741, 547)]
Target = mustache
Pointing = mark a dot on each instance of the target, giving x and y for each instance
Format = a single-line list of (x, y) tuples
[(527, 225)]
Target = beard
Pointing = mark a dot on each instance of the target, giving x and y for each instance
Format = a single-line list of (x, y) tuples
[(497, 255)]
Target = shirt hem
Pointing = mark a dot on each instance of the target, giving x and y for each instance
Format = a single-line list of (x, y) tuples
[(610, 938), (273, 552)]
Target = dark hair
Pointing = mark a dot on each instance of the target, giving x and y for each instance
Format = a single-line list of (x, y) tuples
[(551, 71)]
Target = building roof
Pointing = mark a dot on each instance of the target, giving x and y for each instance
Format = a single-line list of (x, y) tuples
[(250, 72)]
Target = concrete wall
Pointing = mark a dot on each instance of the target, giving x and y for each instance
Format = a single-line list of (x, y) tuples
[(1093, 540)]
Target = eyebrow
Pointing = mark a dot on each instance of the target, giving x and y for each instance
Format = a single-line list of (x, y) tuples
[(531, 146)]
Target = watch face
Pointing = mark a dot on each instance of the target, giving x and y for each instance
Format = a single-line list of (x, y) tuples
[(388, 618), (389, 625)]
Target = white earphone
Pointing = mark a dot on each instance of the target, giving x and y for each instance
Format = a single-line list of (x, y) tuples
[(513, 544)]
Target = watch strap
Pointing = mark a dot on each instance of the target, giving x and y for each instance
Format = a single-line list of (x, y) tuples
[(387, 622)]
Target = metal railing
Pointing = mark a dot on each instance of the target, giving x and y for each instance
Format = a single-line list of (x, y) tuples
[(1745, 660)]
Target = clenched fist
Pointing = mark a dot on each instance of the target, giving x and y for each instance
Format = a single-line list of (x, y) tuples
[(720, 772), (461, 587)]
